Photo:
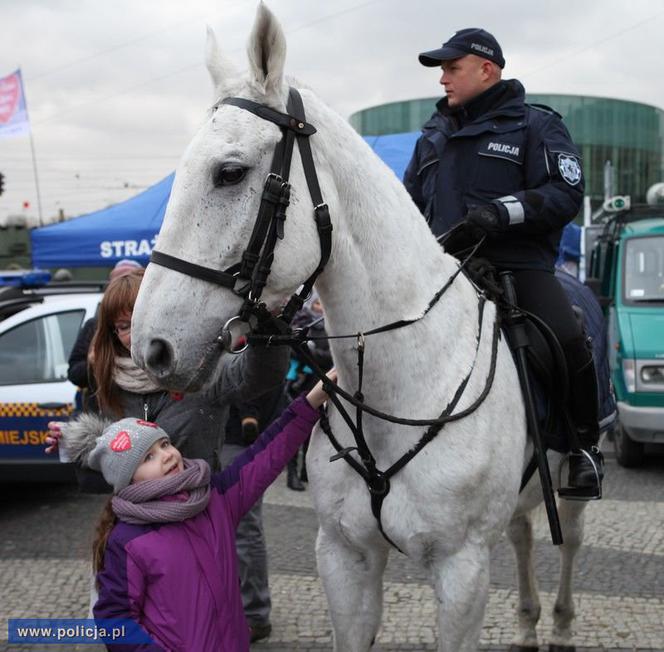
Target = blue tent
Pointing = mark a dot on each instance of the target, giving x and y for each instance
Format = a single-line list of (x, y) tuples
[(129, 229), (100, 239), (394, 149)]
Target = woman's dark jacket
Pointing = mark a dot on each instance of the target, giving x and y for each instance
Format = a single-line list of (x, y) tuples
[(196, 422)]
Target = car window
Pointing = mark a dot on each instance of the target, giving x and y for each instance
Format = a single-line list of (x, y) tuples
[(70, 324), (37, 350), (644, 269)]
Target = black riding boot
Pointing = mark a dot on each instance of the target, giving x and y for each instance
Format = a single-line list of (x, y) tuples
[(586, 462), (293, 482)]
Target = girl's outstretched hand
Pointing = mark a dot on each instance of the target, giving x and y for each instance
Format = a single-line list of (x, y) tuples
[(317, 396), (53, 437)]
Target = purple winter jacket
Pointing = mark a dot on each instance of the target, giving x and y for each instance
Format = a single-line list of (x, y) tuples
[(180, 580)]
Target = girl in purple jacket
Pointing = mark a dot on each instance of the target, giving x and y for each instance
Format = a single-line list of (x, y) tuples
[(165, 547)]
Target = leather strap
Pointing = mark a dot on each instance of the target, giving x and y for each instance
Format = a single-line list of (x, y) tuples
[(225, 279), (282, 120)]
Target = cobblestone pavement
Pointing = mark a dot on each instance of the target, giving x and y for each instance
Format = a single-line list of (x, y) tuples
[(45, 532)]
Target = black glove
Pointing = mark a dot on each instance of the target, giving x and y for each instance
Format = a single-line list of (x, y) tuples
[(264, 324), (460, 239), (486, 219)]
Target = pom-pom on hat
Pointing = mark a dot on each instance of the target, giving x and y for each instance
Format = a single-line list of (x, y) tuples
[(122, 448)]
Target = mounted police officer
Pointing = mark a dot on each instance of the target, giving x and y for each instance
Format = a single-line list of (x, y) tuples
[(512, 172)]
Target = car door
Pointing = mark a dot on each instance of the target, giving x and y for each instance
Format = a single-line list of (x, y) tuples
[(34, 350)]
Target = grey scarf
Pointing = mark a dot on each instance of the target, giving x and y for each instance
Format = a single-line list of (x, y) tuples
[(132, 378), (140, 503)]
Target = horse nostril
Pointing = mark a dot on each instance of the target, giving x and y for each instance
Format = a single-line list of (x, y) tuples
[(159, 357)]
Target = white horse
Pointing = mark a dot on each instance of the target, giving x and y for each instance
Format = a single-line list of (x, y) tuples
[(450, 504)]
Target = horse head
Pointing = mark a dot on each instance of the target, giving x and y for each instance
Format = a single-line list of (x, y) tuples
[(214, 204)]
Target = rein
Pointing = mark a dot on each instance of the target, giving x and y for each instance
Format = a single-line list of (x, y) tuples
[(378, 482), (248, 278)]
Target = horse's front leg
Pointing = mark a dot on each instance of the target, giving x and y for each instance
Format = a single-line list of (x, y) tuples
[(353, 583), (571, 515), (461, 585), (520, 533)]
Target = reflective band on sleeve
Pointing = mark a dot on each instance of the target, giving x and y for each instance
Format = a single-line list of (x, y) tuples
[(514, 208)]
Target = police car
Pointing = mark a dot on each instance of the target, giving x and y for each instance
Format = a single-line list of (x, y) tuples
[(39, 323)]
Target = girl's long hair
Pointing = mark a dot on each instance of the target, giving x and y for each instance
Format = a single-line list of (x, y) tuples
[(107, 521), (119, 297)]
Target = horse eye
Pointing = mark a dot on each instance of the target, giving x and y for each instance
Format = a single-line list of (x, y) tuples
[(229, 174)]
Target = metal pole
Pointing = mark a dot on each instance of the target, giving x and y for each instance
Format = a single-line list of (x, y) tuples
[(34, 158), (34, 167)]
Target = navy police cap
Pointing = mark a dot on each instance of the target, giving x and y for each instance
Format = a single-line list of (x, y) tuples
[(466, 41)]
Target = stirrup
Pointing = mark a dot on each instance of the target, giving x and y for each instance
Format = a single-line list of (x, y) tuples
[(593, 492)]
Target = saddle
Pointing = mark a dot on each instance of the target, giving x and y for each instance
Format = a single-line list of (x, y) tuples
[(547, 368)]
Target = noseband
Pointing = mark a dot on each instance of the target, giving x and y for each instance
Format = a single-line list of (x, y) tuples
[(248, 278)]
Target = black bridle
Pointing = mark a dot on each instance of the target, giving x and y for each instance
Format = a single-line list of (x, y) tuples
[(248, 278)]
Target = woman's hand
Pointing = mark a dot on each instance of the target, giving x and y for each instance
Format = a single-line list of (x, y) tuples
[(54, 436), (317, 396)]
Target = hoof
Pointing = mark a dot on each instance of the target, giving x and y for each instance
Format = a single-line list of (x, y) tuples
[(561, 648), (523, 648)]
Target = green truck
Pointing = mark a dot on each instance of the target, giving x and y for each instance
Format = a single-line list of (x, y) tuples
[(14, 246), (626, 271)]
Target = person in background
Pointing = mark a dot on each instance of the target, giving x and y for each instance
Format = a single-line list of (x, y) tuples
[(301, 377), (62, 275), (78, 372), (165, 554), (569, 250), (245, 422), (196, 421)]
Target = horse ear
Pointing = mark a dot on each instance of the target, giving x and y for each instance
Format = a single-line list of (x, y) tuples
[(267, 52), (220, 68)]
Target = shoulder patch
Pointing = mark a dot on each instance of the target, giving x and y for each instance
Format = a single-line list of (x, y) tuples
[(569, 168)]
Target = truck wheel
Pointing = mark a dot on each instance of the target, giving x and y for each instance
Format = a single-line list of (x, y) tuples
[(629, 453)]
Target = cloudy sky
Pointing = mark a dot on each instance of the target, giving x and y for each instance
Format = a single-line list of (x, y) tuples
[(116, 89)]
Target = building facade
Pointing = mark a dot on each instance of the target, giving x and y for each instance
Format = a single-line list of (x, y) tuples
[(629, 134)]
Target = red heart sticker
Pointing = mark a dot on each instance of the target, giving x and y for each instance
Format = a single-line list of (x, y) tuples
[(9, 96), (121, 442)]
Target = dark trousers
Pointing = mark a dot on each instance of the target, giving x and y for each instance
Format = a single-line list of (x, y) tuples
[(540, 292), (251, 554)]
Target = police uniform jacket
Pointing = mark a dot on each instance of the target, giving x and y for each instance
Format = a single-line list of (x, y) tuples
[(497, 149)]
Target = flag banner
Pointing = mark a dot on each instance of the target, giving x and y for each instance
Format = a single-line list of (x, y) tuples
[(13, 110)]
